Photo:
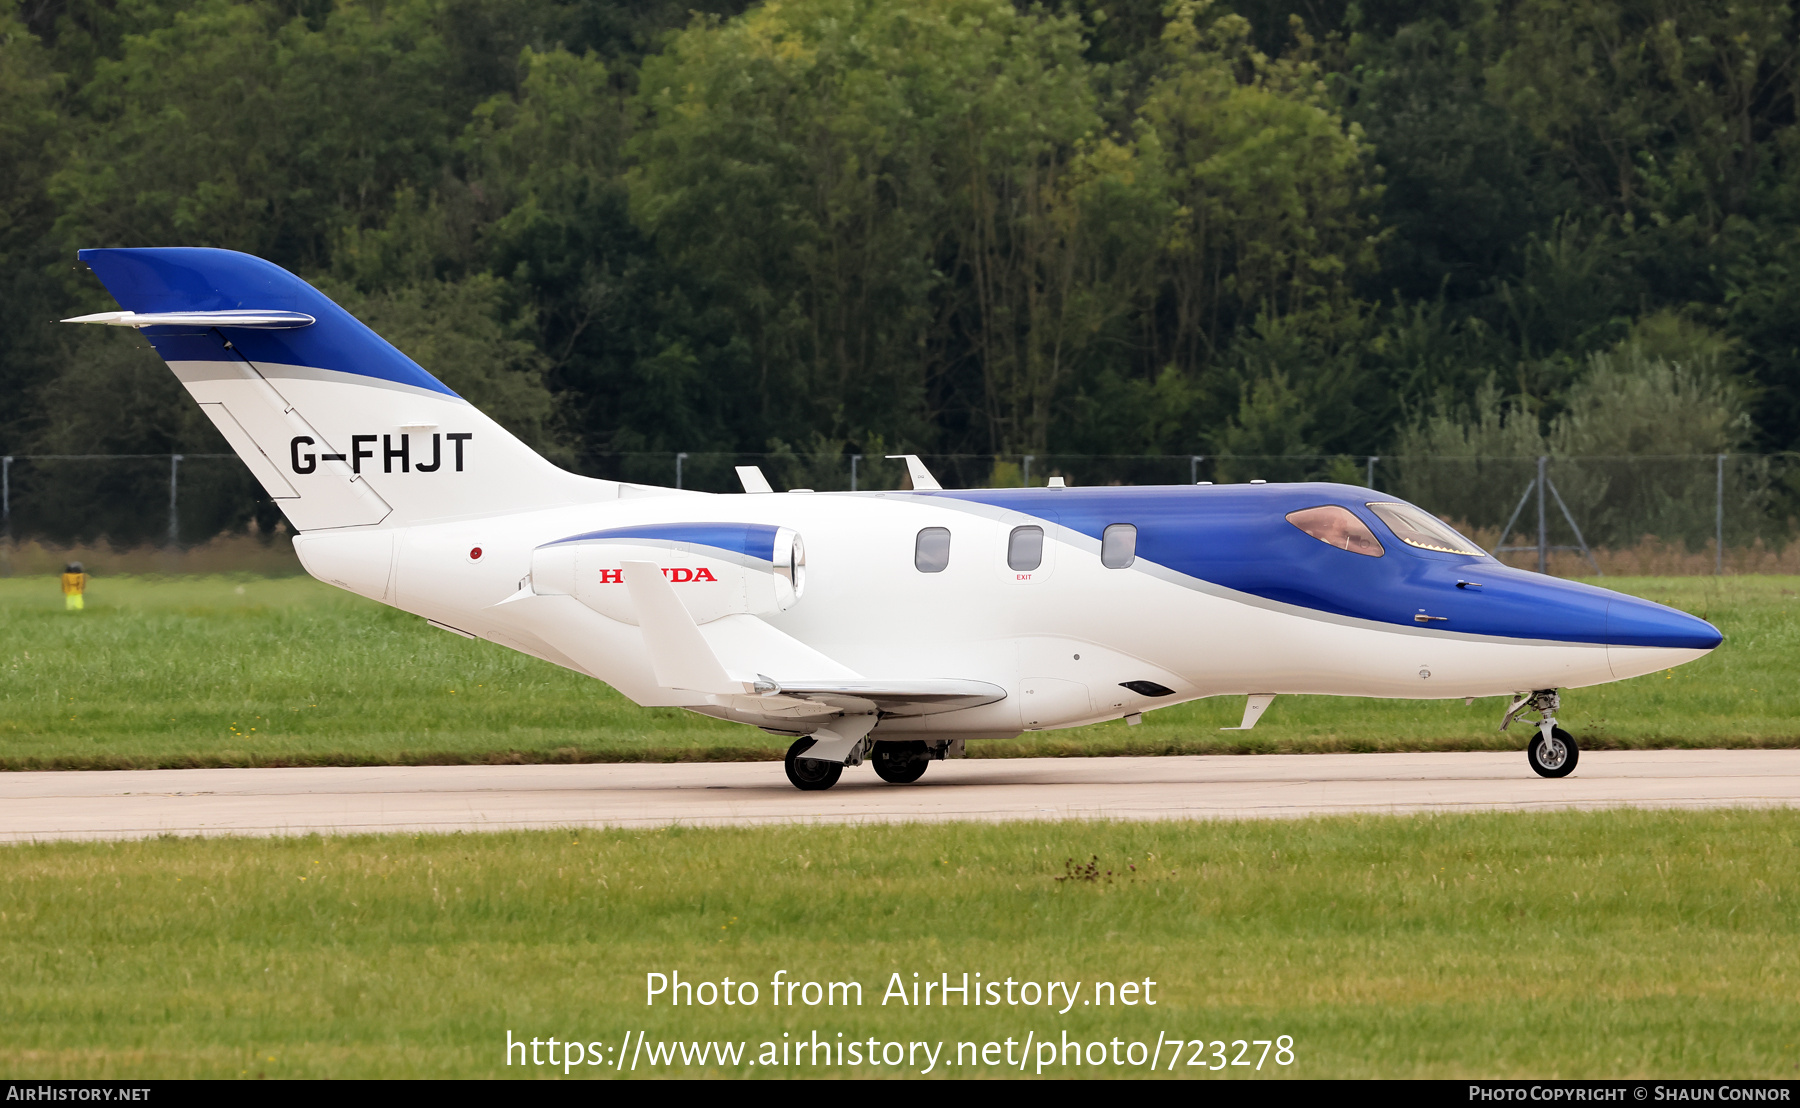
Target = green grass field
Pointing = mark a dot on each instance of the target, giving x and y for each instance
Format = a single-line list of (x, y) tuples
[(1621, 943), (223, 670)]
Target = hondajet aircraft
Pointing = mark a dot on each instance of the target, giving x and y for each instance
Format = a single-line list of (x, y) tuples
[(887, 627)]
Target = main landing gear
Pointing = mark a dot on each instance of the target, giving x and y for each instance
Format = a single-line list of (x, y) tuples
[(898, 762), (1552, 752), (810, 774)]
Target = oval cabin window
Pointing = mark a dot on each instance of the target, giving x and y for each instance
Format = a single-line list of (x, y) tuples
[(1118, 546), (1025, 548), (931, 550)]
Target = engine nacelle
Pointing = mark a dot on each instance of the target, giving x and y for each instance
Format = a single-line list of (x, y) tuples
[(717, 569)]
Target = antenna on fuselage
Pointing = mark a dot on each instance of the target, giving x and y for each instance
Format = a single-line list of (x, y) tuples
[(751, 477), (921, 477)]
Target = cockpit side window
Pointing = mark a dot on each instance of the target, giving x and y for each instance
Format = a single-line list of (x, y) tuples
[(1339, 527), (1416, 527)]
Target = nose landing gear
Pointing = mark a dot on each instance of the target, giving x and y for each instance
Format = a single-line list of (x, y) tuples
[(1553, 756), (1552, 752)]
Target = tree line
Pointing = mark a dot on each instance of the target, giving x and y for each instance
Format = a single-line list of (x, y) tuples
[(1269, 227)]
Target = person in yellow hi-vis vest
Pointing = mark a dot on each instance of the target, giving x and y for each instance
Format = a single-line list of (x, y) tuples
[(74, 586)]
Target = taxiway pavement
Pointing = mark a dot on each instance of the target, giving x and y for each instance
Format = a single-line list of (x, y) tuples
[(139, 803)]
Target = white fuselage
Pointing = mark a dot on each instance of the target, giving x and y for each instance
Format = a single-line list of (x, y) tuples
[(1060, 639)]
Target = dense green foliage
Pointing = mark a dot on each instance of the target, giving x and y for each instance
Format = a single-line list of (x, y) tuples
[(1107, 226), (248, 671), (1566, 944)]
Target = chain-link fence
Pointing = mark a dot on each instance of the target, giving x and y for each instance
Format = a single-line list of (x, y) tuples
[(1540, 512), (130, 499), (1539, 505)]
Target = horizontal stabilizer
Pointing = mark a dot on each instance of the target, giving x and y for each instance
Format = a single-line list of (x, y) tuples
[(260, 320), (579, 637), (679, 654)]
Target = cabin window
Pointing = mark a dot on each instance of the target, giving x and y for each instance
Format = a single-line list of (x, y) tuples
[(931, 550), (1339, 527), (1417, 527), (1118, 546), (1025, 548)]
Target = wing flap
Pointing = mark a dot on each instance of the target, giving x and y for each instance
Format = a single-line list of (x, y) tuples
[(902, 697)]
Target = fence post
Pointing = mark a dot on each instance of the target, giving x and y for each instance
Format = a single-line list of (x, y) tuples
[(1194, 468), (1719, 520), (679, 458), (1370, 482), (1027, 458), (174, 502), (1543, 519), (854, 458), (6, 495)]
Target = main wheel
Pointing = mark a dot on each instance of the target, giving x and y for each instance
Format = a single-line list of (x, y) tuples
[(900, 763), (810, 774), (1555, 758)]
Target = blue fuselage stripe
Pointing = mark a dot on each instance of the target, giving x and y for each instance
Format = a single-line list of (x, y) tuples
[(1237, 537), (750, 540)]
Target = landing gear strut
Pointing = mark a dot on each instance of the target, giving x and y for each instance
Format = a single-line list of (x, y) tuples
[(896, 761), (1552, 752)]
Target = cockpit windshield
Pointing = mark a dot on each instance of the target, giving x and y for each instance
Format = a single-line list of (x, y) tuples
[(1339, 527), (1415, 527)]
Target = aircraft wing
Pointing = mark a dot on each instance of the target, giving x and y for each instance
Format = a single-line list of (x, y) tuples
[(741, 656), (758, 666)]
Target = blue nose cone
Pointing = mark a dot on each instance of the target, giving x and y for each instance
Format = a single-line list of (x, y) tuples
[(1634, 622)]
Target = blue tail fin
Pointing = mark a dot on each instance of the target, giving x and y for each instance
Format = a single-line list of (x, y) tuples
[(341, 428)]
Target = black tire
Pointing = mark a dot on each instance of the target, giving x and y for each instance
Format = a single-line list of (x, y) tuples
[(900, 763), (1546, 762), (810, 774)]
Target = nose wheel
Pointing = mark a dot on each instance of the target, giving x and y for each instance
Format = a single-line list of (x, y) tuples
[(1552, 752), (1553, 756)]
